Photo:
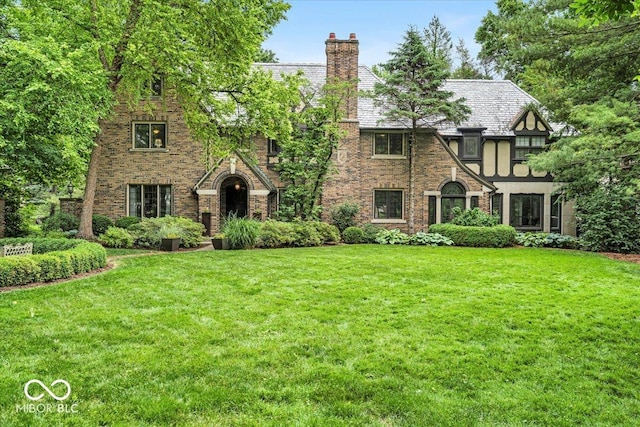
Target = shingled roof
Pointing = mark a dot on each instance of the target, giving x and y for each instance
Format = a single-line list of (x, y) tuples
[(494, 103)]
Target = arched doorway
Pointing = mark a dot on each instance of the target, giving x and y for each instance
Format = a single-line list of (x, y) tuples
[(233, 197)]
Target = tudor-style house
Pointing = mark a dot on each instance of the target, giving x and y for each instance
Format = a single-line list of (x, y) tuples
[(152, 167)]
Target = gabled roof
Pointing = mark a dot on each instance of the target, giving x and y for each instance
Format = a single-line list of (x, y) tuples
[(495, 104)]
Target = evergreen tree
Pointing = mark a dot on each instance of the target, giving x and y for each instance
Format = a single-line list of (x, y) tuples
[(467, 69), (411, 93), (438, 42)]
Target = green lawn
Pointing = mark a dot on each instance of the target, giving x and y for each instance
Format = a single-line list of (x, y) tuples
[(345, 335)]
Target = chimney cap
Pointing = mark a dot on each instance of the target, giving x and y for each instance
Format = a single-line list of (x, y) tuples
[(332, 36), (352, 36)]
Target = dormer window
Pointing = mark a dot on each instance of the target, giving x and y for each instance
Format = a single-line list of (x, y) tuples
[(471, 146), (528, 144)]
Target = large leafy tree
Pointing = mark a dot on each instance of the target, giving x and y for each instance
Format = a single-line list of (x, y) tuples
[(110, 51), (411, 93), (305, 157)]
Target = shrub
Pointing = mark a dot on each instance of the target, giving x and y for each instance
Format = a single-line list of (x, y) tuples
[(241, 232), (370, 232), (547, 240), (42, 245), (532, 240), (344, 215), (60, 222), (392, 237), (353, 235), (474, 218), (609, 220), (147, 233), (116, 237), (489, 237), (275, 234), (53, 259), (279, 234), (170, 231), (328, 233), (562, 241), (126, 221), (305, 234), (16, 223), (100, 224), (429, 239)]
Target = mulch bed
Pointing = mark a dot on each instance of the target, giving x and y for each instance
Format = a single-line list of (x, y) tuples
[(622, 257)]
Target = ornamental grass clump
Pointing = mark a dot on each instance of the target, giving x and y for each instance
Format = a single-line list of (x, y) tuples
[(241, 232)]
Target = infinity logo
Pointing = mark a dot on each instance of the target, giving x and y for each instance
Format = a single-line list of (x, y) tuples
[(52, 394)]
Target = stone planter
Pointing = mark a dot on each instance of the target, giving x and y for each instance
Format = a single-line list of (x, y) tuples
[(220, 243), (170, 244)]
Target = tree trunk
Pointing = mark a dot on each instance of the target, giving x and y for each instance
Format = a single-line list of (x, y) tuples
[(85, 230), (412, 180)]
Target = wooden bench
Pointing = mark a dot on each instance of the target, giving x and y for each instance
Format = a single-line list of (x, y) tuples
[(13, 250)]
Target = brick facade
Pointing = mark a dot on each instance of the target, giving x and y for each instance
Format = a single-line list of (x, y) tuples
[(178, 164), (250, 185)]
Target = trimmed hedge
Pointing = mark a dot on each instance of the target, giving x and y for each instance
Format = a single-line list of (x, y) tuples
[(53, 259), (353, 235), (499, 236)]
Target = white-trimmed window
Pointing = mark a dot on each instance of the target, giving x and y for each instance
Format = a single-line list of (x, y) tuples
[(389, 144), (149, 201), (387, 204), (149, 135), (528, 144)]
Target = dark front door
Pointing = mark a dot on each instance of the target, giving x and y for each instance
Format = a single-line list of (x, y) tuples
[(234, 197)]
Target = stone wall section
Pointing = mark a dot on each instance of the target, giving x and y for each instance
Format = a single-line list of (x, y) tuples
[(72, 206)]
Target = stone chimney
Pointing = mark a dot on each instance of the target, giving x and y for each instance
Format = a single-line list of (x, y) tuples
[(342, 65)]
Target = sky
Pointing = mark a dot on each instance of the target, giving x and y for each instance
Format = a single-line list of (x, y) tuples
[(379, 25)]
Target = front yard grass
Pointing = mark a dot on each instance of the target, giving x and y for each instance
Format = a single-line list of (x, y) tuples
[(333, 336)]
